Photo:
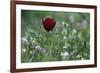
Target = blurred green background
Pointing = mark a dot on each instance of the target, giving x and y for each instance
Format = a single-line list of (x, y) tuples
[(69, 40)]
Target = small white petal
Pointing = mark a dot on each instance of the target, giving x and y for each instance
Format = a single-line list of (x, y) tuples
[(63, 22), (74, 31), (78, 56), (24, 39), (38, 47), (65, 46), (64, 37), (31, 52), (80, 35), (64, 54), (23, 50)]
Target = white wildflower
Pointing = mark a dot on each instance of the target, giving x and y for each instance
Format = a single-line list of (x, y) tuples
[(71, 37), (31, 52), (31, 31), (64, 23), (74, 31), (64, 54), (64, 32), (80, 35), (23, 50), (31, 38), (24, 39), (34, 40), (78, 56), (65, 46), (38, 47), (64, 37)]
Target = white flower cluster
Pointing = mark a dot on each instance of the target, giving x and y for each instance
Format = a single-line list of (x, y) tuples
[(80, 35), (64, 54), (38, 47), (66, 45), (33, 40), (64, 32), (24, 39), (74, 31), (23, 50), (64, 23)]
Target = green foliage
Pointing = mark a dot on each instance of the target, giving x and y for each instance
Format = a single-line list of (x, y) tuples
[(69, 40)]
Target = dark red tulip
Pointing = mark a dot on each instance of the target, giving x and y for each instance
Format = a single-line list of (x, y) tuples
[(48, 23)]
